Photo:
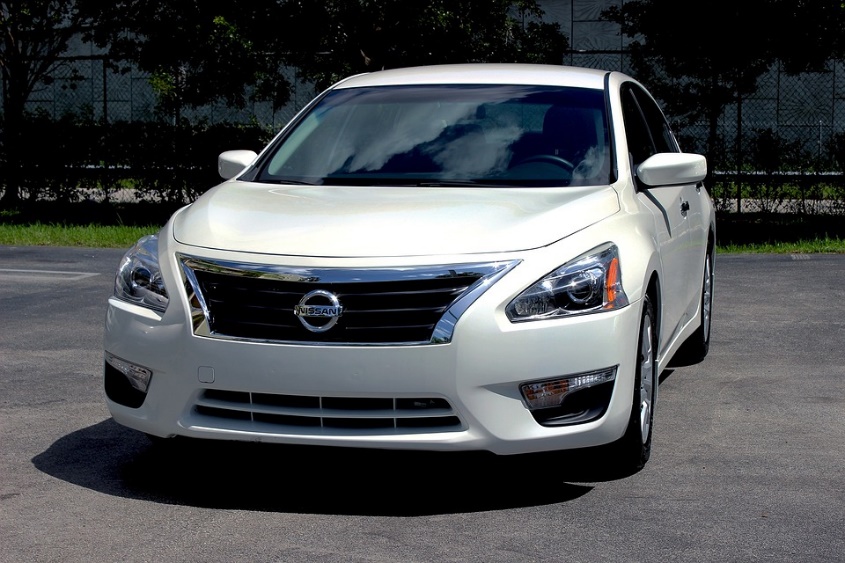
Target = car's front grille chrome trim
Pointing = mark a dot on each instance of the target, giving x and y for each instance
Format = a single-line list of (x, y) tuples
[(381, 306), (295, 414)]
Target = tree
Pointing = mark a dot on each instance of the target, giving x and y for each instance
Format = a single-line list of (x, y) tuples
[(35, 34), (698, 72), (808, 33), (337, 38), (199, 52)]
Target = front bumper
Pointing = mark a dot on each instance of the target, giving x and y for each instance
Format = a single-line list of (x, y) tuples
[(458, 396)]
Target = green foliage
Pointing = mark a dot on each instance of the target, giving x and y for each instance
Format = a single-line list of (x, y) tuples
[(771, 152), (836, 147), (779, 232), (177, 164), (76, 157), (33, 35), (779, 175), (201, 52), (811, 194), (350, 37), (198, 52), (700, 59), (691, 71)]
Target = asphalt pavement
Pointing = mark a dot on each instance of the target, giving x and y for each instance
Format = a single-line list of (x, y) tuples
[(747, 462)]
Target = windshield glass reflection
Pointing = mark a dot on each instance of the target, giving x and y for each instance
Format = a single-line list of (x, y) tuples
[(444, 135)]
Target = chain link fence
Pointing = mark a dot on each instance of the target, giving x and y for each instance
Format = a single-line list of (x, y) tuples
[(91, 87), (781, 149)]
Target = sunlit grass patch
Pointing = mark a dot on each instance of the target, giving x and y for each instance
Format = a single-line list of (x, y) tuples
[(92, 236)]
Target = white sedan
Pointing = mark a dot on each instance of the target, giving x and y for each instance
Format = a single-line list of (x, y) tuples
[(458, 257)]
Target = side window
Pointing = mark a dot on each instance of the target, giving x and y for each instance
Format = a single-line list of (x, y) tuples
[(637, 133), (661, 133)]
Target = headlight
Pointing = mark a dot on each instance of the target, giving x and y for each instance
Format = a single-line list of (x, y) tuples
[(139, 278), (588, 284)]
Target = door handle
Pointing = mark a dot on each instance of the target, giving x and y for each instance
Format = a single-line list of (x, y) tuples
[(684, 207)]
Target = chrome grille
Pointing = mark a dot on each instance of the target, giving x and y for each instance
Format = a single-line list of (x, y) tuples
[(342, 415), (380, 306)]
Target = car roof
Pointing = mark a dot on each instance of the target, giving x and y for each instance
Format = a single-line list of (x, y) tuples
[(481, 73)]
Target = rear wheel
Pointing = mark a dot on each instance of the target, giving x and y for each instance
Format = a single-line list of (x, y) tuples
[(634, 448)]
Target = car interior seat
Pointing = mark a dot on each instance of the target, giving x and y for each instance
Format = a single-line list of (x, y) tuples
[(568, 133)]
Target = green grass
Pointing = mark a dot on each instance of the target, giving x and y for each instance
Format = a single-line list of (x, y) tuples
[(120, 225), (89, 236), (118, 236), (780, 233), (817, 246), (83, 224)]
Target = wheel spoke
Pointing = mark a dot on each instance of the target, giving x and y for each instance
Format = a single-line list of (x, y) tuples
[(707, 298), (647, 380)]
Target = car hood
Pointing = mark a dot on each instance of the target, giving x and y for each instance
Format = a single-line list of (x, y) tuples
[(346, 222)]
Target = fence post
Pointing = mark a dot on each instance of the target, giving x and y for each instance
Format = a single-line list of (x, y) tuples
[(738, 149), (105, 92)]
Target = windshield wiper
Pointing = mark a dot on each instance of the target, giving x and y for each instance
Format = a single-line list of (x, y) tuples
[(286, 181), (365, 181), (461, 184)]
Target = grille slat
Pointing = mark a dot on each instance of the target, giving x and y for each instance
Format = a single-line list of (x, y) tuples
[(241, 306), (332, 413), (379, 306)]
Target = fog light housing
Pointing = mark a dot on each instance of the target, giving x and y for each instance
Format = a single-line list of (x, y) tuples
[(571, 399), (126, 383), (138, 376)]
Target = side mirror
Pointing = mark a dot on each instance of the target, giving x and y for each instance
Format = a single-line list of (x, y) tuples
[(232, 163), (672, 168)]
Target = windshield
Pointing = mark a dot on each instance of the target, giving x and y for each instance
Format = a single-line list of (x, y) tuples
[(500, 135)]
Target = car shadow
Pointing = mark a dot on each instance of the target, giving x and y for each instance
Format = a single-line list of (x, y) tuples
[(666, 374), (117, 461)]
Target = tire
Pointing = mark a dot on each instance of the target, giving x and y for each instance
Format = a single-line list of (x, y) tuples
[(632, 451), (696, 347)]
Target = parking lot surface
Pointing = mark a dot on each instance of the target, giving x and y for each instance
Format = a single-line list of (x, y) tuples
[(747, 462)]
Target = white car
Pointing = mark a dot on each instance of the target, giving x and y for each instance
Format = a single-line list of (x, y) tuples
[(458, 257)]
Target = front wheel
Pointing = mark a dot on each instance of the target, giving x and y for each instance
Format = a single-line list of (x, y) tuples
[(631, 452)]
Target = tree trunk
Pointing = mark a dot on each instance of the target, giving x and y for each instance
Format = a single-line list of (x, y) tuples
[(13, 109)]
